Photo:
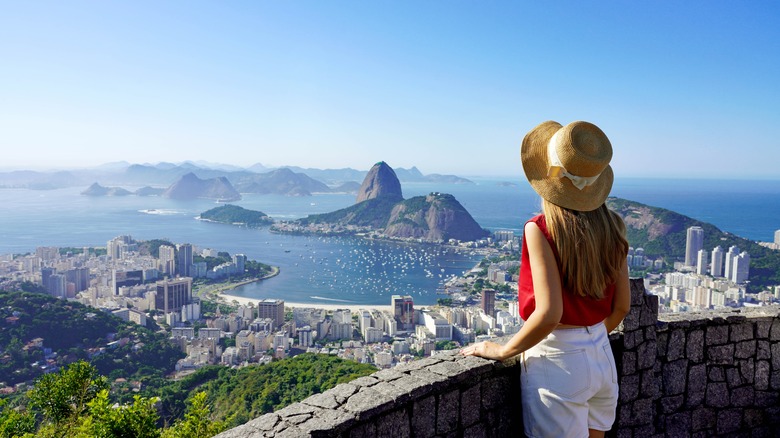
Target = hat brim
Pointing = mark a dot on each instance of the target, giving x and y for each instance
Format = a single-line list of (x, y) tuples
[(559, 191)]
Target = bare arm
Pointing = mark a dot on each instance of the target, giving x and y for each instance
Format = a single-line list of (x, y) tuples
[(621, 302), (548, 296)]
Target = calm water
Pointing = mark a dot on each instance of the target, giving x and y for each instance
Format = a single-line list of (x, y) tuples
[(345, 269)]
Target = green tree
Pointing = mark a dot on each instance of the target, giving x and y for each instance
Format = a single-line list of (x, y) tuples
[(197, 422), (138, 420), (14, 423), (63, 397)]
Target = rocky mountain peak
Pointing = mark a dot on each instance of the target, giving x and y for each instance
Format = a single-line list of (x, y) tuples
[(381, 181)]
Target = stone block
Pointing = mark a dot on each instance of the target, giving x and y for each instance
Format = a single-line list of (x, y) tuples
[(676, 345), (633, 339), (452, 370), (393, 425), (368, 403), (646, 355), (742, 332), (398, 394), (697, 384), (417, 364), (754, 418), (721, 354), (475, 431), (694, 348), (670, 405), (365, 381), (629, 389), (717, 395), (733, 377), (424, 417), (470, 406), (388, 375), (717, 335), (326, 420), (447, 412), (296, 409), (674, 377), (649, 314), (761, 381), (638, 293), (477, 366), (729, 420), (413, 386), (662, 338), (322, 400), (366, 430), (703, 418), (435, 381), (745, 349), (774, 331), (500, 391), (763, 350), (289, 432), (747, 369), (763, 326), (631, 322), (650, 384), (629, 363), (678, 424), (743, 397), (775, 356), (717, 374), (765, 399)]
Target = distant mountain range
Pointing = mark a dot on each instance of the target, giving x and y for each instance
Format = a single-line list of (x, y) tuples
[(106, 180), (288, 180)]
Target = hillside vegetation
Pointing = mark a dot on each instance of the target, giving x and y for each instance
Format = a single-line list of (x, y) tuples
[(74, 332), (663, 233), (233, 214)]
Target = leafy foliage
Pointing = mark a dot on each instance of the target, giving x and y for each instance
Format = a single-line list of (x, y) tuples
[(240, 395), (71, 330), (372, 212)]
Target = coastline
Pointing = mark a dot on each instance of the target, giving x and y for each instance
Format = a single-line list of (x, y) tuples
[(221, 293)]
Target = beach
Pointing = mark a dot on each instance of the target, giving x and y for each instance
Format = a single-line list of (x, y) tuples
[(353, 307)]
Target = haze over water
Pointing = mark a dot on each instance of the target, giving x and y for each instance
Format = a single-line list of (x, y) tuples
[(343, 269)]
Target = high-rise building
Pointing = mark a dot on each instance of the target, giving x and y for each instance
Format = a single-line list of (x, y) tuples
[(701, 262), (273, 309), (694, 243), (741, 268), (240, 262), (403, 311), (79, 277), (184, 260), (173, 294), (168, 260), (777, 237), (729, 264), (488, 303), (716, 265)]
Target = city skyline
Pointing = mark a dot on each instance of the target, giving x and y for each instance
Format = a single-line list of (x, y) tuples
[(678, 88)]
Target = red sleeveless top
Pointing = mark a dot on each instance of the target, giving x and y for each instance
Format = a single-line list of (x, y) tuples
[(577, 310)]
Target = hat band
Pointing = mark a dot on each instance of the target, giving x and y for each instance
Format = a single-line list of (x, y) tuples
[(557, 170)]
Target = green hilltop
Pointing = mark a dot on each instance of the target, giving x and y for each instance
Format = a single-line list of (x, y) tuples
[(233, 214), (663, 233)]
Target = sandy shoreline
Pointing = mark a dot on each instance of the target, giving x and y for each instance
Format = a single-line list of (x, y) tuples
[(353, 307)]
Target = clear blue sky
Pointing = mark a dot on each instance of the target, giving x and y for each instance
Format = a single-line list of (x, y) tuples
[(683, 89)]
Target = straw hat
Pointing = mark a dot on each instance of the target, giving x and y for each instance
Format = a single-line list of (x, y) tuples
[(568, 165)]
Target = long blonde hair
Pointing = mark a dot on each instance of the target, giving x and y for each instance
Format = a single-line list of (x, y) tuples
[(592, 247)]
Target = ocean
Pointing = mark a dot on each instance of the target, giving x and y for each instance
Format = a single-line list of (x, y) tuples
[(345, 269)]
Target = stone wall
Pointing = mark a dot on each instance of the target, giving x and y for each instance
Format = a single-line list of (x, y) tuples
[(702, 374)]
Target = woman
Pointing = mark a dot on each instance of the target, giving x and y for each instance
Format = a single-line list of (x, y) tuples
[(573, 287)]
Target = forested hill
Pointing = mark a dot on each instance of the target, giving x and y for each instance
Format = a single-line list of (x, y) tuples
[(233, 214), (239, 395), (663, 233), (73, 331)]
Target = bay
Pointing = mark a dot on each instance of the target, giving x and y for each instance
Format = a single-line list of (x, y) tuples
[(355, 271)]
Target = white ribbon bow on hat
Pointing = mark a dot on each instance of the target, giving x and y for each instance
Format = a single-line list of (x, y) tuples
[(557, 170)]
